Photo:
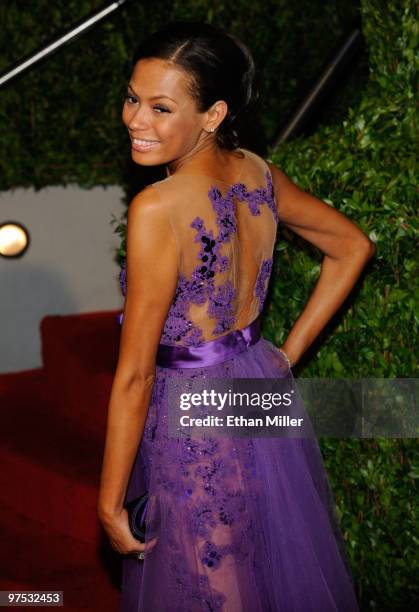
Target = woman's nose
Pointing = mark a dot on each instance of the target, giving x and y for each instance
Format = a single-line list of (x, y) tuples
[(138, 120)]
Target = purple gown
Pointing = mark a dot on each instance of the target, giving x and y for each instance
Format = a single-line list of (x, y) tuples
[(244, 524)]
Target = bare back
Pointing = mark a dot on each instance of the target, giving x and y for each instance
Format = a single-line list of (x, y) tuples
[(225, 234)]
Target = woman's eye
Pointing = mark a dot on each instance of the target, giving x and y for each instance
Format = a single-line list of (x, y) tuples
[(134, 100)]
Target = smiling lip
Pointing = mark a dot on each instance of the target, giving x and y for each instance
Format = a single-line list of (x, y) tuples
[(140, 144)]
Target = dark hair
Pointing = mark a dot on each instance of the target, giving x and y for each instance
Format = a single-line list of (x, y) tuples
[(220, 65)]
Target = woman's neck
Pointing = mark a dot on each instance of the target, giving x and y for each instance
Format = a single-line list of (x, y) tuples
[(205, 159)]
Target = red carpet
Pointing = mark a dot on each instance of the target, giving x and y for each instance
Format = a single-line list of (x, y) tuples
[(52, 437)]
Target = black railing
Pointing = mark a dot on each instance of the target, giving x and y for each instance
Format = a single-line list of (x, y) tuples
[(322, 85), (81, 27)]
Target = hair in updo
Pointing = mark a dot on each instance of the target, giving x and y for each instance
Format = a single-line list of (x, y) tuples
[(220, 67)]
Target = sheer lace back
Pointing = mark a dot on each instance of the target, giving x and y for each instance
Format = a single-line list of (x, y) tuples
[(225, 235)]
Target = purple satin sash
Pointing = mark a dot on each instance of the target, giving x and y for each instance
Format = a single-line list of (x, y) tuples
[(211, 352)]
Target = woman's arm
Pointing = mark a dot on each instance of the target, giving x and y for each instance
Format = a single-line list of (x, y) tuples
[(346, 251), (152, 272)]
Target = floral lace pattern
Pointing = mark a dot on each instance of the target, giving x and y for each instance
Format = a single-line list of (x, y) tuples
[(262, 281), (211, 478), (201, 288)]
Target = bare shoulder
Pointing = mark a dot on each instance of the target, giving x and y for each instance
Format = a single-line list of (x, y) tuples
[(146, 198), (289, 197), (252, 155), (279, 178), (149, 228), (148, 204), (152, 215)]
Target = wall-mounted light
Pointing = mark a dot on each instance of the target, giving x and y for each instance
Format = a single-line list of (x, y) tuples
[(14, 239)]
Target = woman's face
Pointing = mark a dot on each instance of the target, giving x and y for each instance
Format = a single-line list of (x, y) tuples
[(161, 116)]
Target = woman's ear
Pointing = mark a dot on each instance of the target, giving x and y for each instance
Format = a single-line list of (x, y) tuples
[(215, 115)]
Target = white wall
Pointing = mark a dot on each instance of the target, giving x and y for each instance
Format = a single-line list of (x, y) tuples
[(68, 268)]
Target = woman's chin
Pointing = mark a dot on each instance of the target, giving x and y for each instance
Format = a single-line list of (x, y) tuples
[(146, 159)]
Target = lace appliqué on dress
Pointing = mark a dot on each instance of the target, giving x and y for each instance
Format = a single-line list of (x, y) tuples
[(262, 281), (201, 287), (205, 476)]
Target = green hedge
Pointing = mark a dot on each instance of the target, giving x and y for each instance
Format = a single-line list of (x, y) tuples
[(365, 167)]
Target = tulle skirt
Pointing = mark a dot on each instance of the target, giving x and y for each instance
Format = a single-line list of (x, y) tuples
[(234, 524)]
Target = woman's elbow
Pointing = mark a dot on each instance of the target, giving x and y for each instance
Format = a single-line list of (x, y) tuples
[(365, 248), (125, 378), (370, 248)]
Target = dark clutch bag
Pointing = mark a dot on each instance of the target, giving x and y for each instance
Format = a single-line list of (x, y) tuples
[(136, 509)]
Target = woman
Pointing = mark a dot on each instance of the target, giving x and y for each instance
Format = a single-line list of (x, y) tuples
[(235, 524)]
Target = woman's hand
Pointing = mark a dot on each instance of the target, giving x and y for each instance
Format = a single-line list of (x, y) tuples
[(119, 534)]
